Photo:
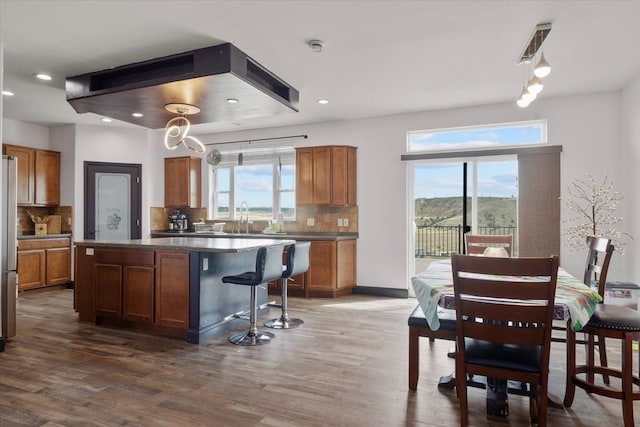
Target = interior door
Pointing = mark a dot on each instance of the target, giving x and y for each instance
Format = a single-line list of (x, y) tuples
[(112, 201)]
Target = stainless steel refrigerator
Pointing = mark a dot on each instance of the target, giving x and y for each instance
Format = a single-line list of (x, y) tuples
[(8, 248)]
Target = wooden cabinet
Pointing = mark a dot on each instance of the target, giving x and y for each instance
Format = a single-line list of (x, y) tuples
[(332, 271), (142, 286), (326, 176), (172, 289), (182, 177), (124, 284), (38, 175), (43, 262)]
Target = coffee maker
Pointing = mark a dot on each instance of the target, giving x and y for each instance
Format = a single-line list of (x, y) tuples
[(178, 221)]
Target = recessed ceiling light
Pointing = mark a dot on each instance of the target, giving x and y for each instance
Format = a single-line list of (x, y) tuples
[(137, 114), (106, 119), (323, 101), (232, 101), (43, 76), (7, 93)]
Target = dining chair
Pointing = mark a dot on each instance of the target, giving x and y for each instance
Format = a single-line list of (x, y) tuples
[(608, 321), (599, 252), (504, 314), (477, 244)]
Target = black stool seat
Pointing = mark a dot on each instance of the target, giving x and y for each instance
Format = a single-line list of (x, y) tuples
[(447, 319), (614, 317), (268, 268)]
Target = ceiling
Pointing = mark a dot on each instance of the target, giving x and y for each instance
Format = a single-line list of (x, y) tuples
[(379, 58)]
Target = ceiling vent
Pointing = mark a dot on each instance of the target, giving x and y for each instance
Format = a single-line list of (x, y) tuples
[(206, 77)]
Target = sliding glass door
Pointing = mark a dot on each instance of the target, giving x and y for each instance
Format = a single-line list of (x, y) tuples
[(450, 198)]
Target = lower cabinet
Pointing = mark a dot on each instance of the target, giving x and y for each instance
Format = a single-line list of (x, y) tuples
[(332, 271), (142, 286), (43, 262)]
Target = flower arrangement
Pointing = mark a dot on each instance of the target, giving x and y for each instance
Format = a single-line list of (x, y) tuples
[(594, 205)]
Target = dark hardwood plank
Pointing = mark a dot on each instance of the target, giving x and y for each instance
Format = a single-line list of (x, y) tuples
[(346, 366)]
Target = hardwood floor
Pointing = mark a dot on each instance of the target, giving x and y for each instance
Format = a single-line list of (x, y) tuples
[(346, 366)]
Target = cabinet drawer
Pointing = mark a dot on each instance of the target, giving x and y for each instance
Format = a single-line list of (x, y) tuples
[(134, 257), (63, 242)]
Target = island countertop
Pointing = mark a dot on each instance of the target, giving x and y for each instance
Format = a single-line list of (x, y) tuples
[(188, 244)]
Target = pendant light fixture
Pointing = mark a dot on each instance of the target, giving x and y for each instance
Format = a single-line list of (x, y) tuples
[(535, 85), (176, 131), (543, 68)]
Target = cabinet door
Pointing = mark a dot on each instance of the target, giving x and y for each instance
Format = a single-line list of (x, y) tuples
[(339, 176), (346, 265), (322, 176), (137, 303), (58, 266), (182, 178), (47, 178), (352, 177), (172, 289), (322, 262), (108, 289), (304, 176), (31, 269), (26, 182)]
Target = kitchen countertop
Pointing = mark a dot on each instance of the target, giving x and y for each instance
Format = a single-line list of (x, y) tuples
[(42, 236), (189, 244), (278, 236)]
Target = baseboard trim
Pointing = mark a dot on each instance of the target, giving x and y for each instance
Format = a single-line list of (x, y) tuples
[(381, 292)]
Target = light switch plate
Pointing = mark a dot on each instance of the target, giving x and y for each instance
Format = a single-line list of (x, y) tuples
[(205, 264), (339, 222), (311, 222), (345, 222), (88, 251)]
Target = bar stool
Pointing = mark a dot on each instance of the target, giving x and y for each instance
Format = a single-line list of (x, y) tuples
[(268, 268), (297, 262), (608, 321)]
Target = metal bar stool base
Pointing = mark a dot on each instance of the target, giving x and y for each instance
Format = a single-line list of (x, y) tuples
[(283, 324), (249, 338)]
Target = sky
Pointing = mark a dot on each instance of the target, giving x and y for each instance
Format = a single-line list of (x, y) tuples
[(495, 178)]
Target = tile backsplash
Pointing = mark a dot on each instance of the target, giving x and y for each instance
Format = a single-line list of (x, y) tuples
[(325, 220), (26, 225)]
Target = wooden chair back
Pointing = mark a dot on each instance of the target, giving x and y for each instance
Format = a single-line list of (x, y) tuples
[(476, 244), (504, 315), (599, 255)]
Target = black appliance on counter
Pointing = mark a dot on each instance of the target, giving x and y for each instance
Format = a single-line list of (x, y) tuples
[(178, 221)]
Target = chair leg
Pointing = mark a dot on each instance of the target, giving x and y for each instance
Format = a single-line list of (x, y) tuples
[(570, 390), (414, 357), (284, 322), (627, 380), (253, 336), (602, 349), (461, 390)]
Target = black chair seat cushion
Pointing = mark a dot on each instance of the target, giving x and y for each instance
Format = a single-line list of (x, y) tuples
[(447, 319), (248, 278), (513, 357), (608, 316)]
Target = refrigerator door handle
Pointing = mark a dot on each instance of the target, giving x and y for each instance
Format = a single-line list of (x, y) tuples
[(12, 213)]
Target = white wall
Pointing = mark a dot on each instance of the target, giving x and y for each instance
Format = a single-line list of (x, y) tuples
[(629, 161), (590, 129)]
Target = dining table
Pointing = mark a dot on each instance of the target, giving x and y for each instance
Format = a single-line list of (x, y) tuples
[(574, 303)]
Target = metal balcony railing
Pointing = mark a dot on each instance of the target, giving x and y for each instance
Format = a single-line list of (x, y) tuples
[(442, 241)]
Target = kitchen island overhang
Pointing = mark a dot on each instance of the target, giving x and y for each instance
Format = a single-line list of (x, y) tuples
[(170, 286)]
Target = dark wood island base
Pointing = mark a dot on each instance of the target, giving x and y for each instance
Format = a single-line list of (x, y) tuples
[(168, 286)]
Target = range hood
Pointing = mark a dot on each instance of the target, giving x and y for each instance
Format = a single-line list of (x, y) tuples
[(205, 77)]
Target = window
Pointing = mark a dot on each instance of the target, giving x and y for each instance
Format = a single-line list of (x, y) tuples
[(478, 137), (266, 181)]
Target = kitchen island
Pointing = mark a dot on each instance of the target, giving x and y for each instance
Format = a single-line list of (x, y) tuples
[(170, 286)]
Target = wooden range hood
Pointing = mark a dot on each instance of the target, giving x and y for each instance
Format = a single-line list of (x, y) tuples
[(204, 77)]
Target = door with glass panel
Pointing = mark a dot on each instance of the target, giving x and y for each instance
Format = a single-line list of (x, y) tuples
[(112, 201), (454, 197)]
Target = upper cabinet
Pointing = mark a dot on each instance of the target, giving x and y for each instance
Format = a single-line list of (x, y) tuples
[(182, 176), (326, 176), (38, 175)]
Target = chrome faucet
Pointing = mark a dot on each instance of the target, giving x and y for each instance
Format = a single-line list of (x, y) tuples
[(246, 208)]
